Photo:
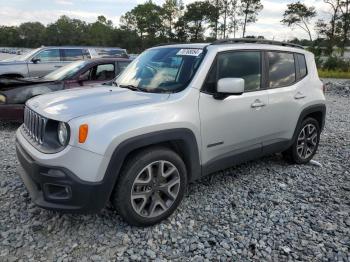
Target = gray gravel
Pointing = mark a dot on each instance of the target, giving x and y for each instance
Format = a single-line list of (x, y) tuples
[(262, 210)]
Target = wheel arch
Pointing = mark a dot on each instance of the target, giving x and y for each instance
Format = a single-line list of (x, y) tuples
[(317, 111), (181, 140), (11, 75)]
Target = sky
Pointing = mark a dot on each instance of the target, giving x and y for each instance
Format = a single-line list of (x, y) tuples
[(15, 12)]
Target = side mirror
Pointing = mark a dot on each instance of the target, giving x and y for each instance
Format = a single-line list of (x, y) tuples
[(36, 60), (229, 86)]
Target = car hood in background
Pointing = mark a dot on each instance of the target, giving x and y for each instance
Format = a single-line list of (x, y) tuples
[(20, 94), (68, 104), (10, 83), (11, 62)]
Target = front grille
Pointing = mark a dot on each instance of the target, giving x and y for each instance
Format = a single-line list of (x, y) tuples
[(34, 125)]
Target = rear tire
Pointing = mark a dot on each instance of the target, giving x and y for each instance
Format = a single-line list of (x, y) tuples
[(151, 186), (306, 142)]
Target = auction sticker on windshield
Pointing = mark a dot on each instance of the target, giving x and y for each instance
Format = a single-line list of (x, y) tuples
[(191, 52)]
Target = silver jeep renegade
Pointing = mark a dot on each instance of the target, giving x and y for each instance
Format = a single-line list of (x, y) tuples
[(177, 113)]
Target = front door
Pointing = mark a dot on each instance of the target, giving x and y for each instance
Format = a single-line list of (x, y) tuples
[(237, 124), (45, 62)]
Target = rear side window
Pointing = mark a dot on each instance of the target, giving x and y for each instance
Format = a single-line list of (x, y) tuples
[(108, 52), (238, 64), (72, 54), (302, 65), (281, 69)]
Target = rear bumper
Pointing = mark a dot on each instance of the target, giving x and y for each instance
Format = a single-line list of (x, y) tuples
[(12, 112), (57, 188)]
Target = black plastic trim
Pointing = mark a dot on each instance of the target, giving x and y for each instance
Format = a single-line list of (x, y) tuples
[(309, 110), (83, 196), (181, 136), (232, 158)]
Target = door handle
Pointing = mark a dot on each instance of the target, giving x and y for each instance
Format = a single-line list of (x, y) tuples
[(257, 104), (57, 66), (299, 95)]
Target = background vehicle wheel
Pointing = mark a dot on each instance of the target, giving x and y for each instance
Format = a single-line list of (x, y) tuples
[(306, 143), (151, 186)]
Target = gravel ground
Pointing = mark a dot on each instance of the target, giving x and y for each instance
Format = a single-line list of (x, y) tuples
[(262, 210)]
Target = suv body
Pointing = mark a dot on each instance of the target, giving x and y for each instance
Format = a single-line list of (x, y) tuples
[(208, 124), (44, 60)]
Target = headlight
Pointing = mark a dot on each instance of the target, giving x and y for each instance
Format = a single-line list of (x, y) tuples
[(2, 99), (62, 133)]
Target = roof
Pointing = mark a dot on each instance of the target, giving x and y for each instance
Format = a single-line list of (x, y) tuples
[(254, 41), (72, 46), (181, 45), (108, 59), (234, 41)]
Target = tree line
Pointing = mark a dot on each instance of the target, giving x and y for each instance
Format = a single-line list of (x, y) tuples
[(330, 33), (149, 24)]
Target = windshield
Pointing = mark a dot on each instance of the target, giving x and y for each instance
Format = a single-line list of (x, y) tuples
[(161, 70), (23, 57), (65, 72)]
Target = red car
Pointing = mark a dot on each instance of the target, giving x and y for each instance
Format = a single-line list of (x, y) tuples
[(15, 92)]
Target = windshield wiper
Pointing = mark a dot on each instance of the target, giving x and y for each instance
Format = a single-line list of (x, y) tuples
[(132, 87)]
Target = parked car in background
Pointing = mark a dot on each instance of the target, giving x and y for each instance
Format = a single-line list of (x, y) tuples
[(44, 60), (15, 92)]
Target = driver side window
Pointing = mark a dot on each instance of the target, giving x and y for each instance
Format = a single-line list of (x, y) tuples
[(102, 72), (236, 64), (50, 55)]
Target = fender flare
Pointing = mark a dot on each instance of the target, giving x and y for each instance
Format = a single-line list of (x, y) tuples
[(307, 111), (183, 135)]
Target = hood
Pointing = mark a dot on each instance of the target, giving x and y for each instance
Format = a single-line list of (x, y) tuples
[(68, 104), (19, 94), (11, 83), (11, 61)]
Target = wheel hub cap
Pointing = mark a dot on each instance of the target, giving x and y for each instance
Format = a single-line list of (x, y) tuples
[(307, 141), (155, 189)]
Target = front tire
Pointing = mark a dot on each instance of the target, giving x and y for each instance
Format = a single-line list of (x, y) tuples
[(151, 186), (306, 142)]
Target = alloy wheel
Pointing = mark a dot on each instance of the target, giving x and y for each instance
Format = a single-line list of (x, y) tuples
[(307, 141), (155, 189)]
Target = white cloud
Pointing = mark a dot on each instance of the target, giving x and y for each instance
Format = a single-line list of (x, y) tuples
[(64, 2), (11, 16)]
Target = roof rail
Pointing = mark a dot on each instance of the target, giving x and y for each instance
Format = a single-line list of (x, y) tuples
[(254, 41)]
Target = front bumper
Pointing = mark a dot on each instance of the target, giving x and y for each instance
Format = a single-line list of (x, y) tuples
[(57, 188), (11, 112)]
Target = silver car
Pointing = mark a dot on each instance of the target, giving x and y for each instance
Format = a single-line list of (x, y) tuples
[(174, 115), (41, 61)]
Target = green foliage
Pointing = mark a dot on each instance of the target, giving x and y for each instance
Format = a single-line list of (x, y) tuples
[(196, 15), (298, 14), (146, 25), (249, 11), (336, 63)]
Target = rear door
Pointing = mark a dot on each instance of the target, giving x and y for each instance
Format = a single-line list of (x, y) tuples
[(237, 124), (47, 61), (285, 80), (73, 54)]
